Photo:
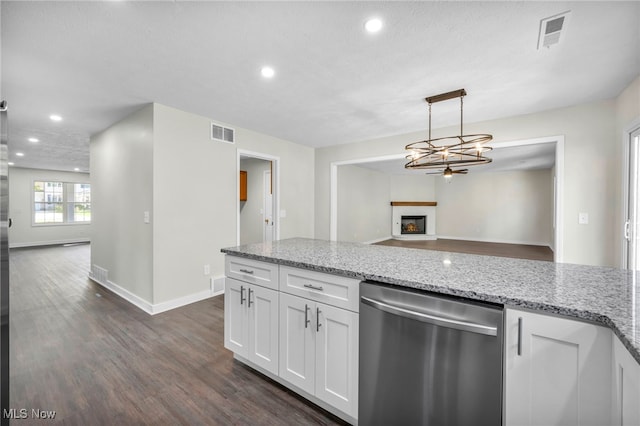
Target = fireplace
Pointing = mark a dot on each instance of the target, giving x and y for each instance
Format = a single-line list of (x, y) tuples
[(413, 220), (413, 225)]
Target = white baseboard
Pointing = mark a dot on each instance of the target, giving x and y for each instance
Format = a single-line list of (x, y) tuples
[(494, 240), (157, 308), (49, 243), (377, 240)]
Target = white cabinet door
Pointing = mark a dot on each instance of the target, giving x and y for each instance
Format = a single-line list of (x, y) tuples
[(562, 375), (236, 336), (262, 307), (337, 357), (626, 387), (251, 323), (297, 341)]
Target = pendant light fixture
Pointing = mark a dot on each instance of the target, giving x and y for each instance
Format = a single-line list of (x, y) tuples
[(449, 151)]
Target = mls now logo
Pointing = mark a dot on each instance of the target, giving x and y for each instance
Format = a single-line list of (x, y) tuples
[(23, 413)]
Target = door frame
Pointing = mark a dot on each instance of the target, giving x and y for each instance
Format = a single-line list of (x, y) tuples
[(558, 216), (626, 141), (265, 204), (275, 176)]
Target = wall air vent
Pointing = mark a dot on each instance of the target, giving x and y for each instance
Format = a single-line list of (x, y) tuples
[(552, 29), (222, 134)]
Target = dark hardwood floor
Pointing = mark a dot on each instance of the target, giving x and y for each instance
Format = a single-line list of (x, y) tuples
[(95, 359), (519, 251)]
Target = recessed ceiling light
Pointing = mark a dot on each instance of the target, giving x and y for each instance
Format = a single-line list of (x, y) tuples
[(373, 25), (55, 117), (34, 140), (75, 169), (19, 154), (267, 72), (11, 163)]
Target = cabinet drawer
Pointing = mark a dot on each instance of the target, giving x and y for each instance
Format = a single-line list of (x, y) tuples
[(326, 288), (252, 271)]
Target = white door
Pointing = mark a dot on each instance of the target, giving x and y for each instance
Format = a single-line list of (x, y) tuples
[(297, 341), (337, 357), (262, 305), (235, 317), (268, 207), (632, 225), (558, 371)]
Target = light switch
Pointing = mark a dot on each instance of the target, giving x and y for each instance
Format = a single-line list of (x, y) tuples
[(583, 218), (147, 217)]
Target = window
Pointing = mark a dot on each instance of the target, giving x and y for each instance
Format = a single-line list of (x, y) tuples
[(61, 202)]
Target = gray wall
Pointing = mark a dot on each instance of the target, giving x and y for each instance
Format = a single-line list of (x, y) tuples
[(162, 160), (364, 212), (122, 190), (508, 207), (22, 232)]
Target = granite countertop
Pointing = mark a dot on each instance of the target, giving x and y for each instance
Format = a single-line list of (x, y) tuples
[(603, 295)]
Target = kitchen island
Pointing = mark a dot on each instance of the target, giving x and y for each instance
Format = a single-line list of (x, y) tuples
[(582, 294)]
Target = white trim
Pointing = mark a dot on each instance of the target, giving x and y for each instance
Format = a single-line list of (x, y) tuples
[(558, 248), (125, 294), (276, 186), (626, 135), (180, 301), (50, 242), (494, 240), (377, 240), (153, 309)]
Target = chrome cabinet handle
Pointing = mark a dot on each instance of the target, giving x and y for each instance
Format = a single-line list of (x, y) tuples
[(306, 316), (313, 287), (249, 300), (431, 319), (318, 325), (241, 294), (247, 271), (520, 336)]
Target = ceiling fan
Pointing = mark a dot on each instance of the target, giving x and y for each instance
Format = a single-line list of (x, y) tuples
[(448, 172)]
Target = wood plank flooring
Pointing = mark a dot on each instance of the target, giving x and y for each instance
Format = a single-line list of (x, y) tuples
[(519, 251), (95, 359)]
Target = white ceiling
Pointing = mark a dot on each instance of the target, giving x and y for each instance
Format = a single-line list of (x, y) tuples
[(96, 62)]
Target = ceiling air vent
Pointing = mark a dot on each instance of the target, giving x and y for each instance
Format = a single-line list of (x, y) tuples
[(222, 134), (551, 29)]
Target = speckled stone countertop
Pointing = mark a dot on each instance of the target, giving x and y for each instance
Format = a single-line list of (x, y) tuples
[(604, 295)]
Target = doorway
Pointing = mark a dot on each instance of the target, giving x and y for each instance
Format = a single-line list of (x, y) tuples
[(256, 218), (398, 160)]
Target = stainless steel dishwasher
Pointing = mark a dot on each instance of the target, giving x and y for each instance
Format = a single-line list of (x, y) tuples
[(428, 359)]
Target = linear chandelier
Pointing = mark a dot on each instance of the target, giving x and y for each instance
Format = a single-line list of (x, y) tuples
[(449, 151)]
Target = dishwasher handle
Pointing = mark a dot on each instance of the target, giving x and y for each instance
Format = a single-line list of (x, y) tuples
[(431, 319)]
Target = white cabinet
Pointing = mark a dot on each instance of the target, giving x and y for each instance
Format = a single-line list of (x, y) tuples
[(558, 371), (251, 323), (319, 350), (625, 393)]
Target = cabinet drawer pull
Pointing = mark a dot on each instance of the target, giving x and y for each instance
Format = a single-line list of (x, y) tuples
[(247, 271), (313, 287), (241, 294), (249, 299), (318, 325), (519, 336), (306, 316)]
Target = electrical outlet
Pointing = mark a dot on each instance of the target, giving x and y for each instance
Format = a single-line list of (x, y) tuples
[(583, 218), (207, 269)]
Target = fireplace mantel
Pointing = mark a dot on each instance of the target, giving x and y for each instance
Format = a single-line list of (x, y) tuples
[(414, 203)]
